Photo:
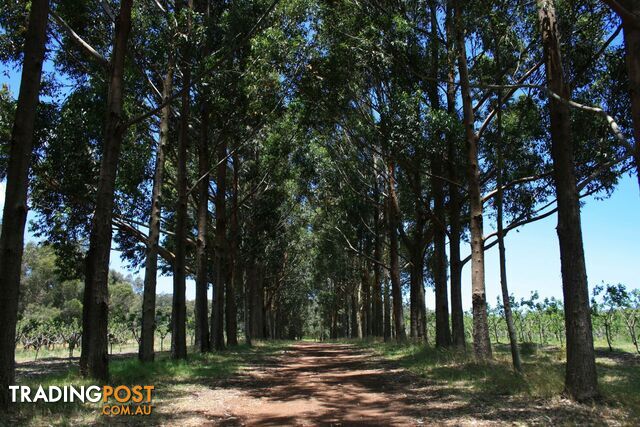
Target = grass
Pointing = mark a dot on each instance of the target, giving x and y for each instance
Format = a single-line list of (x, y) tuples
[(454, 372), (542, 378), (170, 378)]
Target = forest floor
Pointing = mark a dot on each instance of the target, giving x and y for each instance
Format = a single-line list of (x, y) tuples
[(309, 383)]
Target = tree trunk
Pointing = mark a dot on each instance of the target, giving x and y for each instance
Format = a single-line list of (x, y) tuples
[(256, 301), (148, 327), (15, 206), (396, 286), (377, 328), (413, 306), (345, 315), (581, 380), (506, 303), (333, 327), (417, 313), (632, 46), (355, 331), (607, 333), (455, 206), (94, 359), (631, 30), (365, 309), (417, 284), (481, 341), (235, 281), (387, 309), (178, 306), (250, 277), (221, 245), (202, 276), (443, 333)]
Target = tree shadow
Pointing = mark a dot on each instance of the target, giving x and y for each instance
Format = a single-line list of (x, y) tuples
[(347, 385)]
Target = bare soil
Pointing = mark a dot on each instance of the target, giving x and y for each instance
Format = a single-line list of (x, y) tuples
[(339, 384)]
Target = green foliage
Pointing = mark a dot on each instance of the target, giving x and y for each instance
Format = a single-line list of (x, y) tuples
[(7, 106), (318, 106)]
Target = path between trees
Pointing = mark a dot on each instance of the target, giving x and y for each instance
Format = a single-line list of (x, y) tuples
[(341, 384)]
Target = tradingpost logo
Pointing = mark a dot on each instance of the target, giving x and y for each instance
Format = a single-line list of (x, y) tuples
[(116, 400)]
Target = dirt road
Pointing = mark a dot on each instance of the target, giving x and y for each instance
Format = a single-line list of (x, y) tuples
[(308, 384), (338, 384), (314, 384)]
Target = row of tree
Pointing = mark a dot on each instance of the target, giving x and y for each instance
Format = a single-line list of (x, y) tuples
[(453, 114), (300, 155), (170, 204), (53, 314), (615, 317), (50, 307)]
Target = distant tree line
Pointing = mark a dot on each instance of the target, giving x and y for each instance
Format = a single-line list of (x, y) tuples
[(50, 313)]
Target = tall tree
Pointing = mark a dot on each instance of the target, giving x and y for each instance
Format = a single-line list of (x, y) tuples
[(178, 306), (455, 204), (378, 274), (481, 342), (443, 333), (506, 300), (202, 265), (581, 381), (221, 251), (235, 262), (94, 358), (146, 350), (14, 214), (394, 261)]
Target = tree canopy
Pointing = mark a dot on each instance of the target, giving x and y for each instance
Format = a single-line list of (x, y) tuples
[(315, 164)]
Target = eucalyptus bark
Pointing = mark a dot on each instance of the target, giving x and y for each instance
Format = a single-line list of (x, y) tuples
[(455, 204), (413, 305), (506, 302), (481, 341), (365, 309), (355, 330), (443, 333), (94, 360), (417, 285), (415, 246), (178, 305), (217, 325), (202, 270), (377, 327), (387, 308), (394, 262), (581, 381), (148, 327), (250, 276), (15, 207), (235, 282), (257, 303)]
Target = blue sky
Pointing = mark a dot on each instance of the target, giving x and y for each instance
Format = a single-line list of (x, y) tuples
[(611, 233)]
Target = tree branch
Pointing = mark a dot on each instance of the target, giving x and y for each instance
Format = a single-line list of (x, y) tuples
[(86, 47)]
